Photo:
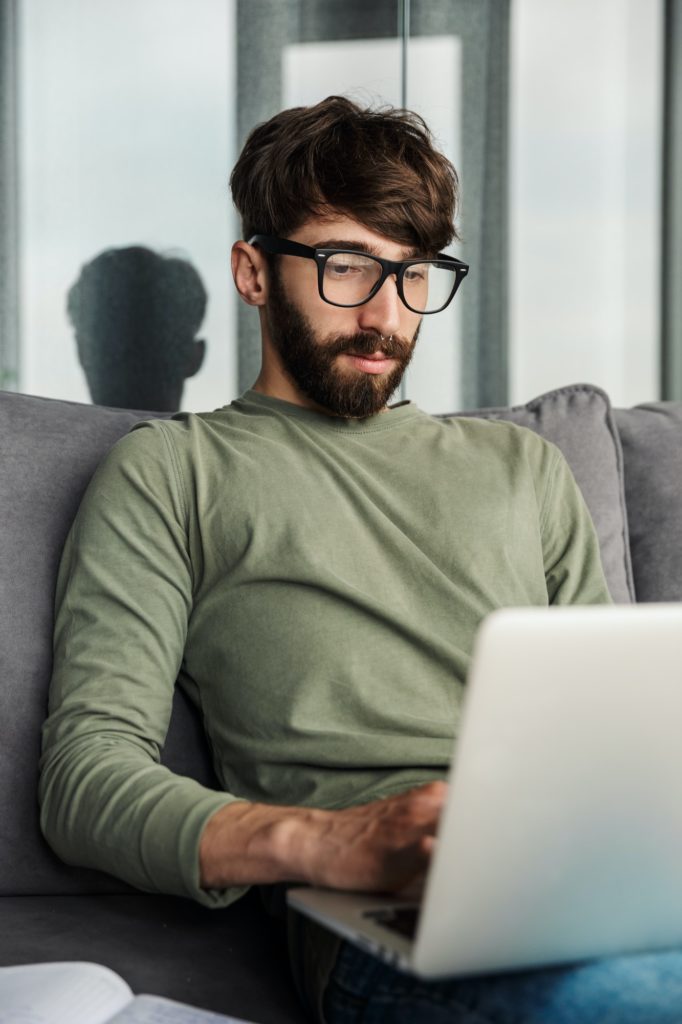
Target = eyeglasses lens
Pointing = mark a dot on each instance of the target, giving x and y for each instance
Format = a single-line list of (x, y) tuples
[(428, 286), (350, 277)]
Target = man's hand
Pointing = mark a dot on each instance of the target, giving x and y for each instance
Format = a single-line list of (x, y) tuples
[(380, 846)]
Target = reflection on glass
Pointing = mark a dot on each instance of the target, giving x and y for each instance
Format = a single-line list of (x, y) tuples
[(135, 315)]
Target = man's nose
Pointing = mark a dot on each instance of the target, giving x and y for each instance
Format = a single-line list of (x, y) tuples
[(382, 312)]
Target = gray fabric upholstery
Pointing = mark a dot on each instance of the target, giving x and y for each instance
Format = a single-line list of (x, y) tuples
[(580, 421), (48, 452), (651, 436), (230, 961)]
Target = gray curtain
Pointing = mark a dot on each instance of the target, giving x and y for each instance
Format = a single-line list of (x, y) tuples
[(9, 278), (671, 298), (265, 27)]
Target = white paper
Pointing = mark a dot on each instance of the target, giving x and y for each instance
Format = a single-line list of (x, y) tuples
[(155, 1010), (60, 993), (85, 993)]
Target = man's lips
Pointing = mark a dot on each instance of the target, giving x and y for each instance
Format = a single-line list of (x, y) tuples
[(377, 362)]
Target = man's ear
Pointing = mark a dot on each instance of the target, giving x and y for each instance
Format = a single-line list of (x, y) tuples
[(250, 273)]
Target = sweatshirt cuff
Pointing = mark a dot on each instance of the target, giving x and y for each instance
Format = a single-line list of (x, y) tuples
[(170, 844)]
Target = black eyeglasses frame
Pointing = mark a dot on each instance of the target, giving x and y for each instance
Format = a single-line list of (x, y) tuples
[(285, 247)]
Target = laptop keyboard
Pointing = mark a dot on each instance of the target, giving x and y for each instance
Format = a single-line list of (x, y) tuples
[(397, 919)]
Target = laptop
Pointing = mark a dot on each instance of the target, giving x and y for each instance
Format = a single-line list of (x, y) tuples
[(561, 838)]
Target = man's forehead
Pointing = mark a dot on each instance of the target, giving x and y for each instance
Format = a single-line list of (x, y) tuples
[(338, 232)]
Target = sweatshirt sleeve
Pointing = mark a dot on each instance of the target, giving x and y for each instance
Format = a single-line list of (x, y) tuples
[(572, 559), (124, 596)]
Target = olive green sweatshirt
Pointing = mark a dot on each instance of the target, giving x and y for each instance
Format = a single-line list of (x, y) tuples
[(315, 584)]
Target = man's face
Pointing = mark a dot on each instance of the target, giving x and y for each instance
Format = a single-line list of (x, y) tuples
[(345, 361)]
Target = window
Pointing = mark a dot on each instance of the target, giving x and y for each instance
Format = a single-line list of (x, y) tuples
[(127, 116)]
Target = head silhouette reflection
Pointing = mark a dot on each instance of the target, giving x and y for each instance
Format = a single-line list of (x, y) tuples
[(136, 315)]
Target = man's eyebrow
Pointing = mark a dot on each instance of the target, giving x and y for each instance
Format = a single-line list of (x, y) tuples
[(350, 243)]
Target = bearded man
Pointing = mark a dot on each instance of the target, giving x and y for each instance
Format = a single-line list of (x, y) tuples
[(312, 565)]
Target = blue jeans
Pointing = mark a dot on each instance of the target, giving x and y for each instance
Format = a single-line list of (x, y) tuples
[(639, 989)]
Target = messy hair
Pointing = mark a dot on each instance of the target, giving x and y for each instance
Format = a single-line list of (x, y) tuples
[(379, 167)]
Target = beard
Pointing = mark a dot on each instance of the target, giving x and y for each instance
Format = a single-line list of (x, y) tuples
[(311, 363)]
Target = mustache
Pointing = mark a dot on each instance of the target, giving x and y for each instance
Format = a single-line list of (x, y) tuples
[(365, 344)]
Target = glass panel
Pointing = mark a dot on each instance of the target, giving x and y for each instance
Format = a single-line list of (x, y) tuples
[(9, 186), (585, 267), (126, 140), (125, 116), (469, 113), (434, 379), (671, 312), (126, 143)]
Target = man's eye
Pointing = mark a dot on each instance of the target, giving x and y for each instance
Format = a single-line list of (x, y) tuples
[(347, 269), (415, 274)]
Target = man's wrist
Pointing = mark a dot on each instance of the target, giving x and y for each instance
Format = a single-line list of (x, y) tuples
[(248, 844), (295, 844)]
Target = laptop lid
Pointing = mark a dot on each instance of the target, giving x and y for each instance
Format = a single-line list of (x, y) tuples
[(562, 834)]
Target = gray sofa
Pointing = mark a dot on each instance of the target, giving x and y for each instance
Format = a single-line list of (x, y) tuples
[(629, 466)]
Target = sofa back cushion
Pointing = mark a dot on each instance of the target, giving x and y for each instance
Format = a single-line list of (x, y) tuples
[(579, 420), (48, 452), (651, 436)]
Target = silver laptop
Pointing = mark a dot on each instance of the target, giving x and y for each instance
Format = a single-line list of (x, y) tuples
[(562, 835)]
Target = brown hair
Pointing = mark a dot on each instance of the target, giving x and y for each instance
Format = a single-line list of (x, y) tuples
[(379, 167)]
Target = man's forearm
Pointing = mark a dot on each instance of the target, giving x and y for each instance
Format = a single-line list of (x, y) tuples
[(384, 844)]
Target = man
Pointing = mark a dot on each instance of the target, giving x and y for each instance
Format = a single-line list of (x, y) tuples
[(313, 565), (136, 315)]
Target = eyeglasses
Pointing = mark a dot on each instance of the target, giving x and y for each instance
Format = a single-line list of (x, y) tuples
[(346, 277)]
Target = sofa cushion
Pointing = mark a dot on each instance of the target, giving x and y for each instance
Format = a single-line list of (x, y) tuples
[(651, 436), (230, 961), (48, 452), (580, 421)]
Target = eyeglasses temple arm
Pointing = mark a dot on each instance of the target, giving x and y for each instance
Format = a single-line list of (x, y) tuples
[(281, 246)]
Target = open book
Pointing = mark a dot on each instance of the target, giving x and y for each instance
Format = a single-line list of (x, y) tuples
[(83, 993)]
